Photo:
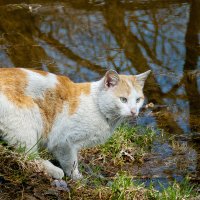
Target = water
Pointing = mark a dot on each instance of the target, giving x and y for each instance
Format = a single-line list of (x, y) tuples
[(82, 39)]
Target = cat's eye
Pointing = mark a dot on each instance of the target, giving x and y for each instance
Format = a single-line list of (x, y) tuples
[(138, 100), (123, 99)]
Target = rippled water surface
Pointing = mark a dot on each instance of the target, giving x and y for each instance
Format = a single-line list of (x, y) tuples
[(82, 39)]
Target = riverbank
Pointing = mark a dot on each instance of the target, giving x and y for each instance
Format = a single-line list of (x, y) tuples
[(109, 172)]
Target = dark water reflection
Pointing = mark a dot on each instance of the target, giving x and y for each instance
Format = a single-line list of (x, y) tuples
[(84, 38)]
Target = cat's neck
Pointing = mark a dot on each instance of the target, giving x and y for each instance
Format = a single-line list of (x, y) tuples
[(95, 89)]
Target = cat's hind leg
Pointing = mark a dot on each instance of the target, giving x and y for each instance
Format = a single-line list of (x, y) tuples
[(30, 146)]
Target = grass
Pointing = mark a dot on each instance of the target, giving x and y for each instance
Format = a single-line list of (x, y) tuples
[(177, 191), (107, 172), (122, 187), (129, 141), (16, 164), (127, 145)]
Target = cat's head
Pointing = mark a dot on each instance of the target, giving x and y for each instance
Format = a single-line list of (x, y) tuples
[(121, 95)]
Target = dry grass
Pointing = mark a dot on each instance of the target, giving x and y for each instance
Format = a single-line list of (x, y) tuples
[(19, 176)]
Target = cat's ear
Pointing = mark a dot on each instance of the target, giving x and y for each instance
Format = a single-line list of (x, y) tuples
[(111, 78), (142, 77)]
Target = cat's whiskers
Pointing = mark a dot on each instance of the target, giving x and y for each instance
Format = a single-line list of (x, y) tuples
[(117, 118)]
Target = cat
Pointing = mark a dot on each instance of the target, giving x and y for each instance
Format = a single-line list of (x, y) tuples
[(38, 108)]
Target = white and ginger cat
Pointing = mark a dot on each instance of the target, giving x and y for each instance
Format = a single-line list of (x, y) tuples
[(64, 116)]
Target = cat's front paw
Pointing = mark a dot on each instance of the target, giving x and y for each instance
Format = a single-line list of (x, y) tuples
[(76, 176), (56, 172), (52, 170)]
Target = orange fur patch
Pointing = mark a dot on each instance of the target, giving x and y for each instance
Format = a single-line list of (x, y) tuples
[(49, 107), (137, 86), (52, 104), (13, 82), (71, 92), (124, 89)]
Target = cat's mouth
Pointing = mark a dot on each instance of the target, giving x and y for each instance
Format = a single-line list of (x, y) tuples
[(130, 117)]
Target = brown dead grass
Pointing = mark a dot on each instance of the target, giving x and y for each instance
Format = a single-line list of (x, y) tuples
[(23, 179)]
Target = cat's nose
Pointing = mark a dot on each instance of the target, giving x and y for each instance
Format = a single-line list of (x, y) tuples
[(133, 112)]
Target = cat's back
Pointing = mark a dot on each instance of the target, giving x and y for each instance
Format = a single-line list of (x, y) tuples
[(22, 86), (40, 95), (30, 100)]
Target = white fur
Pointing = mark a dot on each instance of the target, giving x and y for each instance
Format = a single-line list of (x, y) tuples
[(93, 122), (38, 84), (132, 104), (86, 128), (20, 125)]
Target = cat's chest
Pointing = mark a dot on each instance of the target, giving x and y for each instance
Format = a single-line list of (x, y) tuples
[(89, 129)]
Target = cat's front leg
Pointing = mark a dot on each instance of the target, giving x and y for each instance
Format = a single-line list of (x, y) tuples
[(68, 159), (70, 164)]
